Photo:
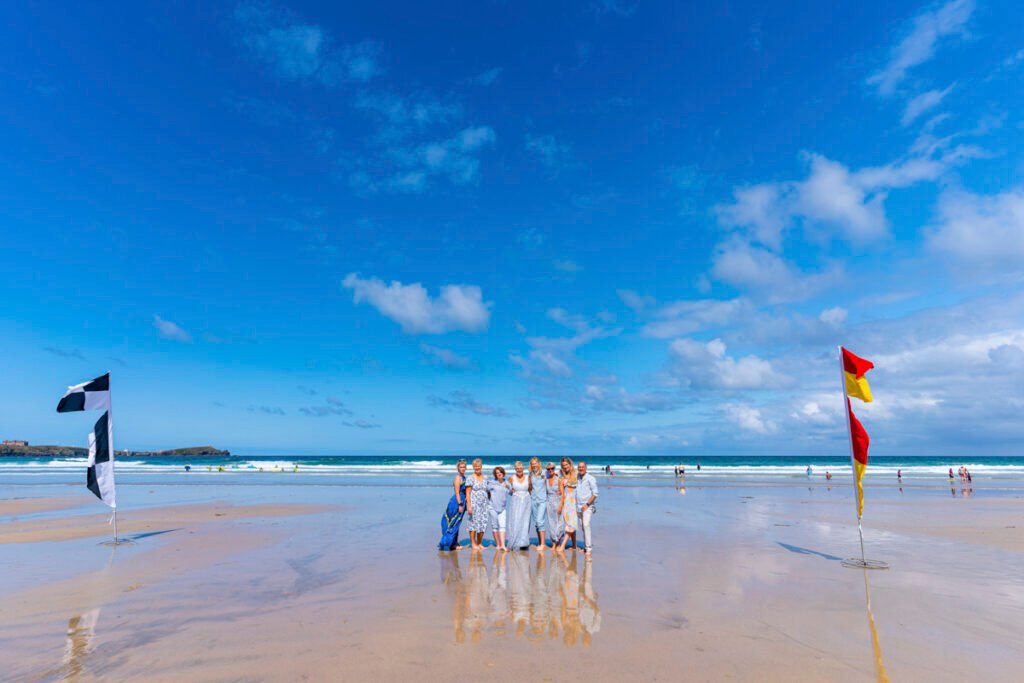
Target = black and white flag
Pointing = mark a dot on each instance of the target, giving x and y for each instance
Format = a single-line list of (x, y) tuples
[(95, 395)]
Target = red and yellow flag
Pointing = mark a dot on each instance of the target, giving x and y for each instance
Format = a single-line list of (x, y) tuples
[(854, 369), (860, 441)]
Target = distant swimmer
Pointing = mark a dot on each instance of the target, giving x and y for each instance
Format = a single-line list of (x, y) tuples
[(698, 467), (899, 475), (188, 468), (828, 475), (810, 470), (220, 468)]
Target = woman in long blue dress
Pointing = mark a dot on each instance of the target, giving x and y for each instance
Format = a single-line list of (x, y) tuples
[(451, 519), (556, 525), (519, 510)]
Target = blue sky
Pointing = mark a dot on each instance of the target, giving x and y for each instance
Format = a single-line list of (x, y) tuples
[(605, 227)]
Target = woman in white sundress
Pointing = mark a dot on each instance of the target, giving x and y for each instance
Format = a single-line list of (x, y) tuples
[(519, 510)]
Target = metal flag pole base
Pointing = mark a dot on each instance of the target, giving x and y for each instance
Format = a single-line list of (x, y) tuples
[(117, 541), (862, 563)]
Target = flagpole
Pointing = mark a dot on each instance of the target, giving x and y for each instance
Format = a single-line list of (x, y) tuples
[(849, 435), (110, 432)]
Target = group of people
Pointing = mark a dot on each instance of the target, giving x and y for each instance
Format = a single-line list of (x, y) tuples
[(556, 503), (965, 475)]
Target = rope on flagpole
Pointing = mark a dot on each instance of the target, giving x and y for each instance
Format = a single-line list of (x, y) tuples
[(853, 562)]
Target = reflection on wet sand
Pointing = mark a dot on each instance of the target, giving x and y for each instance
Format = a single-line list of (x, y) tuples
[(539, 598), (880, 672), (80, 632)]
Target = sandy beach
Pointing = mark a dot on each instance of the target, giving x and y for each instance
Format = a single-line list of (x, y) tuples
[(714, 583)]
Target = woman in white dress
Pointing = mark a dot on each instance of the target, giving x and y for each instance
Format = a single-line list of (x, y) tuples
[(519, 510)]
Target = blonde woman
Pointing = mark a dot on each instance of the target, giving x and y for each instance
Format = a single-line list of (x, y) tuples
[(452, 517), (538, 501), (519, 510), (479, 509), (567, 505)]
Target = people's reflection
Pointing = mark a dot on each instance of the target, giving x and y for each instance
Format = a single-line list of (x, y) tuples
[(546, 599), (477, 598), (590, 613), (81, 629)]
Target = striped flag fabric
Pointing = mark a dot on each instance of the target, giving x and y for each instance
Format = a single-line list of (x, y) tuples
[(95, 395), (854, 370)]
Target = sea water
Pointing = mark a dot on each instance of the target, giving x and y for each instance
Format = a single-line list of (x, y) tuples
[(437, 471)]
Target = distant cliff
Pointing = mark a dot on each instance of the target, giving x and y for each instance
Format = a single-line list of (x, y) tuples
[(193, 452)]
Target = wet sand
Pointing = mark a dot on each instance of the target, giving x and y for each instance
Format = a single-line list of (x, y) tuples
[(737, 583)]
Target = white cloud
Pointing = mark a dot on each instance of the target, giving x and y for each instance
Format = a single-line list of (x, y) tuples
[(767, 276), (488, 77), (362, 61), (831, 195), (400, 116), (749, 419), (833, 316), (567, 266), (636, 301), (169, 330), (464, 401), (849, 203), (686, 317), (552, 355), (410, 153), (760, 208), (552, 154), (985, 233), (922, 103), (457, 307), (706, 365), (445, 357), (919, 45), (299, 51)]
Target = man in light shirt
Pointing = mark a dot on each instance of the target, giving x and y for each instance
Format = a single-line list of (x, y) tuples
[(586, 496)]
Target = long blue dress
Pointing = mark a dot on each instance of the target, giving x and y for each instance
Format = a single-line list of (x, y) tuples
[(519, 514), (452, 519)]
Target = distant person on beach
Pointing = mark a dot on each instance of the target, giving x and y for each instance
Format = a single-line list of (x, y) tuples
[(899, 475), (478, 505), (586, 496), (567, 505), (828, 475), (969, 480), (538, 502), (497, 494), (451, 519), (950, 475), (698, 467), (556, 525), (810, 470), (188, 468), (519, 510)]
